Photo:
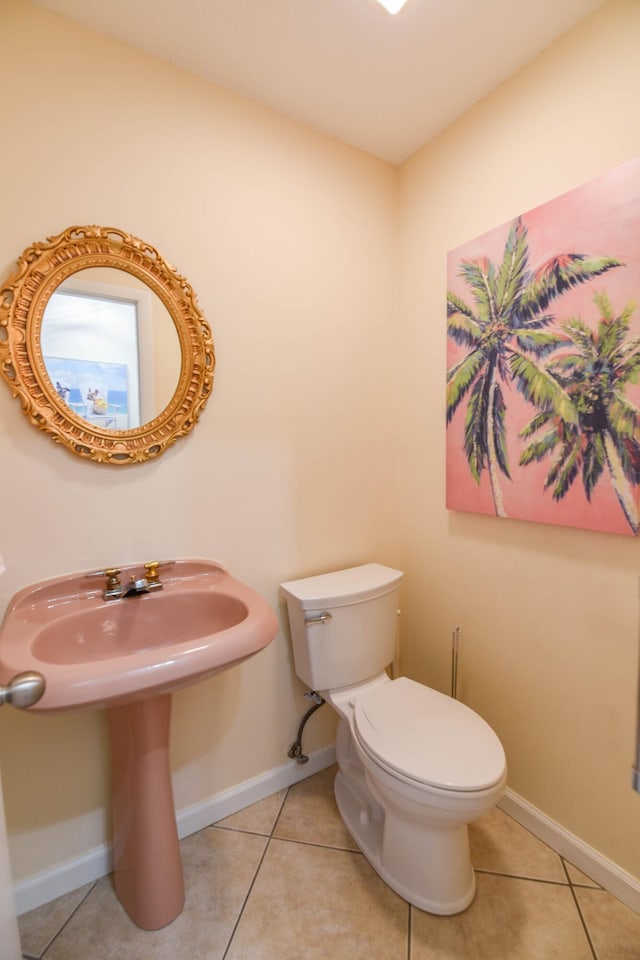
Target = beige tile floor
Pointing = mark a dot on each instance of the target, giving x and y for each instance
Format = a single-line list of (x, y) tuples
[(282, 880)]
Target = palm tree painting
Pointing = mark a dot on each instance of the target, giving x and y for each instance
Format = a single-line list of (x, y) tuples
[(543, 395)]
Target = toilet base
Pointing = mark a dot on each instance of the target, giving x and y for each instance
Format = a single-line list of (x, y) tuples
[(429, 867)]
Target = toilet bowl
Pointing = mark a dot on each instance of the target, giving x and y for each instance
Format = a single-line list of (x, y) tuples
[(431, 767), (415, 767)]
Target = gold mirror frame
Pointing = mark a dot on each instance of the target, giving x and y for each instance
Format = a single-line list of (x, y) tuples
[(23, 299)]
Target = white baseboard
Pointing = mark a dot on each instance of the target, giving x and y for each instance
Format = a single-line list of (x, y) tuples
[(72, 874), (622, 885)]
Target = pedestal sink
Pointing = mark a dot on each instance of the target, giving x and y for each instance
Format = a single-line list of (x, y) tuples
[(128, 655)]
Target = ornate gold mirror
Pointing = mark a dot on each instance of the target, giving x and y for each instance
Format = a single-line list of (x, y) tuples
[(104, 344)]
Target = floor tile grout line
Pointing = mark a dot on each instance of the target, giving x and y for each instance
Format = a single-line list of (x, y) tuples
[(273, 836), (279, 813), (580, 913), (255, 877), (246, 899), (409, 930), (321, 846), (584, 924), (245, 830), (592, 885), (522, 876), (42, 955)]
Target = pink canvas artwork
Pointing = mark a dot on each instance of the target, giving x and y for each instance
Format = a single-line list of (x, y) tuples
[(543, 362)]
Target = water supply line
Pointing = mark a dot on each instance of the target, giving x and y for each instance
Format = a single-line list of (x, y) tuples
[(295, 750)]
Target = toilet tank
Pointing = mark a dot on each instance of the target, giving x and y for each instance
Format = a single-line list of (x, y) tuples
[(343, 624)]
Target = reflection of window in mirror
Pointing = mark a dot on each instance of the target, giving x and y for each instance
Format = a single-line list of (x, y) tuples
[(97, 340), (90, 349)]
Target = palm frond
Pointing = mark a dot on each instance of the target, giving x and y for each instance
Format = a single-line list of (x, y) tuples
[(631, 346), (497, 426), (631, 462), (628, 449), (532, 323), (610, 336), (541, 448), (603, 304), (623, 416), (567, 367), (627, 364), (593, 462), (565, 470), (500, 359), (480, 275), (456, 304), (513, 269), (475, 427), (626, 358), (464, 329), (538, 386), (580, 335), (539, 343), (452, 372), (540, 420), (556, 276), (459, 379), (628, 312)]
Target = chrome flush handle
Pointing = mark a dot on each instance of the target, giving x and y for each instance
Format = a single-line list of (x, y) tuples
[(321, 618)]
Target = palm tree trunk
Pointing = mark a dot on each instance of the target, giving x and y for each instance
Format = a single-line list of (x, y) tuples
[(492, 457), (620, 483)]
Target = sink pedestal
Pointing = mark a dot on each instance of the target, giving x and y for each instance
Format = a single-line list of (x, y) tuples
[(146, 854)]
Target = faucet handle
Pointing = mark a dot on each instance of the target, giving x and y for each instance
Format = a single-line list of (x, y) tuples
[(112, 575), (152, 567), (152, 571)]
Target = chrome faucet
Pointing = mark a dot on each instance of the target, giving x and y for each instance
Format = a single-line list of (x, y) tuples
[(151, 581), (114, 589)]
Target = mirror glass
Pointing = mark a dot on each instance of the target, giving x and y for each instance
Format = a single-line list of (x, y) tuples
[(110, 348), (104, 344)]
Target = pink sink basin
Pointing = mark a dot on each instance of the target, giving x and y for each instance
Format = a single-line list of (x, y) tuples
[(101, 653), (150, 622)]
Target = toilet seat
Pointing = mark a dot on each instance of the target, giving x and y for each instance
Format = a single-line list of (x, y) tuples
[(422, 736)]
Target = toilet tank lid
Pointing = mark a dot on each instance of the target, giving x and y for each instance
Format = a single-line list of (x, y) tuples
[(342, 587)]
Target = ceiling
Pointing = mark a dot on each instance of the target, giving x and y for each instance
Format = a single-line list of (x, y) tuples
[(385, 84)]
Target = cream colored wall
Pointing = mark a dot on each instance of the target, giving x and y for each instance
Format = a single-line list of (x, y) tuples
[(549, 616), (289, 240)]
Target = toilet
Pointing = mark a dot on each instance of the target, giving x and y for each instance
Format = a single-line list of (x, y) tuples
[(415, 767)]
